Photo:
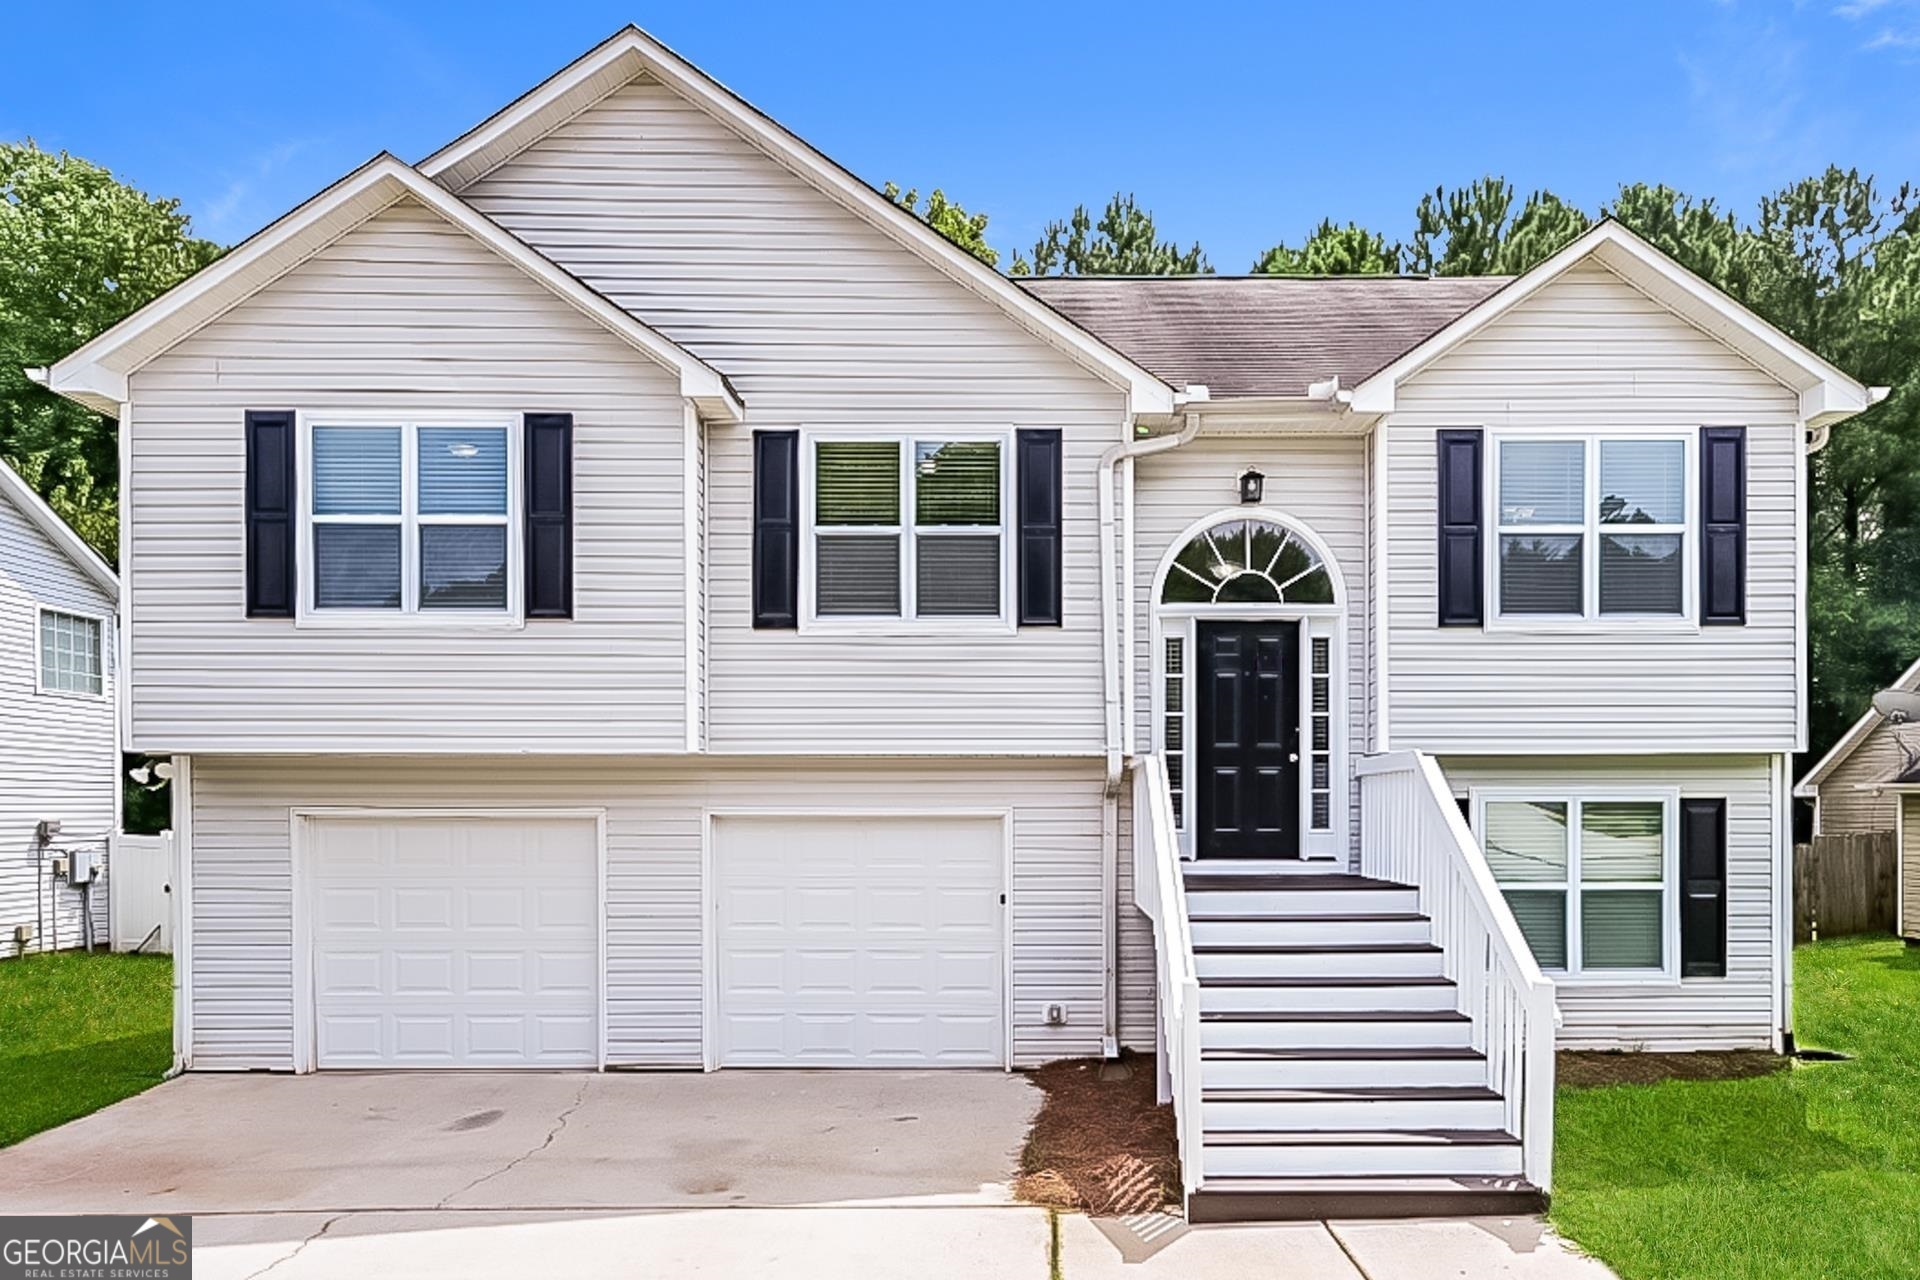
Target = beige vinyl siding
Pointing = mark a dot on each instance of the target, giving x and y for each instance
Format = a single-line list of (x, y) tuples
[(1908, 868), (820, 321), (1844, 807), (242, 886), (1684, 1014), (1319, 480), (406, 313), (57, 754), (1586, 354)]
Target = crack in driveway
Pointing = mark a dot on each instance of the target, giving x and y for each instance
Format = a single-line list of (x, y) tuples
[(297, 1249), (559, 1123)]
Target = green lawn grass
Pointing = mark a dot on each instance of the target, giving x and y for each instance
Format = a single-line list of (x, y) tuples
[(1814, 1172), (78, 1032)]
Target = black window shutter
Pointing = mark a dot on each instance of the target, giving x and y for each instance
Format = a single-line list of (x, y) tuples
[(271, 491), (1462, 564), (1703, 888), (1037, 489), (548, 445), (1723, 525), (776, 529)]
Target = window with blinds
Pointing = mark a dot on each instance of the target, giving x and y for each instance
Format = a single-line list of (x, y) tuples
[(408, 518), (1588, 879), (1592, 527), (909, 528)]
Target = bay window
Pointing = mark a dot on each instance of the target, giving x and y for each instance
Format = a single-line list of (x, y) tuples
[(410, 519), (907, 528), (1593, 527), (1589, 879)]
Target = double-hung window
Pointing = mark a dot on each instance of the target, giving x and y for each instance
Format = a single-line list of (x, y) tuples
[(71, 654), (907, 528), (411, 519), (1593, 528), (1589, 879)]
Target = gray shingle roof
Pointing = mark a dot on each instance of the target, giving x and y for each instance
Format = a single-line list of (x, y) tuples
[(1261, 335)]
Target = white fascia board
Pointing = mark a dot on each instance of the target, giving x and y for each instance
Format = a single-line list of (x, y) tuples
[(1809, 785), (96, 374), (58, 531), (631, 51), (1830, 393)]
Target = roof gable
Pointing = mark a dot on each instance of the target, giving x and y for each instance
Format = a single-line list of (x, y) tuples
[(96, 374), (15, 489), (1851, 740), (1827, 395), (631, 53)]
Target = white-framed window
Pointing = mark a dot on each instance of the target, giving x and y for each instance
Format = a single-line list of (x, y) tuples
[(71, 654), (1593, 527), (1590, 876), (409, 517), (907, 529)]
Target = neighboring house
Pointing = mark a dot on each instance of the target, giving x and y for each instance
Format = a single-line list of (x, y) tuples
[(1870, 781), (622, 593), (60, 754)]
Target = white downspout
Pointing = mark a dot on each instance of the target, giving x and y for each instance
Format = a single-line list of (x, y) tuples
[(1110, 639)]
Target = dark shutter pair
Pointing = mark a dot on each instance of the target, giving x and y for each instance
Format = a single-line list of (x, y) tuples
[(776, 528), (1723, 527), (272, 491)]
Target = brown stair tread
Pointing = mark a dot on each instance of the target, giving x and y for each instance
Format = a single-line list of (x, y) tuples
[(1335, 980), (1367, 1054), (1334, 1015), (1311, 948), (1359, 1093), (1361, 1138), (1210, 881), (1357, 917), (1320, 1196)]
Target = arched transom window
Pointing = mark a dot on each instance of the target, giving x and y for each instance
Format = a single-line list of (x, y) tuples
[(1247, 562)]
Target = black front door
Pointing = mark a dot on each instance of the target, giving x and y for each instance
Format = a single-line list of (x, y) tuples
[(1249, 744)]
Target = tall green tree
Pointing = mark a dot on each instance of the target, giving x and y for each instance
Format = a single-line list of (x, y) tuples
[(79, 250), (968, 230), (1330, 250), (1124, 242), (1698, 234), (1474, 231)]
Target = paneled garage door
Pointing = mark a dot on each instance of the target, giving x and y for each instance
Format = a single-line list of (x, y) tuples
[(860, 941), (454, 942)]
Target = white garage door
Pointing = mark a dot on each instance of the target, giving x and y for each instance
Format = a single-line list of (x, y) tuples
[(860, 942), (455, 942)]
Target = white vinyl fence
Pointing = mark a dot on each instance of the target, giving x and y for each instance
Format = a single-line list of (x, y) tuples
[(140, 905)]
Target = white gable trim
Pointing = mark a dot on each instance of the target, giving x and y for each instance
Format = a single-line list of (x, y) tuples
[(1826, 394), (58, 531), (1808, 787), (96, 374), (631, 52)]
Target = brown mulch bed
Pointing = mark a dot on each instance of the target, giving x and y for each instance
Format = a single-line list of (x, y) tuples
[(1589, 1067), (1099, 1145)]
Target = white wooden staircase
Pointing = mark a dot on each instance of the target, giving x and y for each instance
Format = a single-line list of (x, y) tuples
[(1347, 1054)]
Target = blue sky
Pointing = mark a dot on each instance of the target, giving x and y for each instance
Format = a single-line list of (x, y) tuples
[(1236, 124)]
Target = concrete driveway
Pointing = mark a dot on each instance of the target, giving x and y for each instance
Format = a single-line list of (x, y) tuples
[(856, 1173)]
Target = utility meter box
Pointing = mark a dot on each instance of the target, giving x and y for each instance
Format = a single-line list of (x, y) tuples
[(81, 865)]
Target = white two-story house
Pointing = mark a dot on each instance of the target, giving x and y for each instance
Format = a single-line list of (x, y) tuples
[(620, 593)]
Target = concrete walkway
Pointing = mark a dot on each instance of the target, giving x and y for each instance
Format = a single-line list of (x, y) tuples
[(850, 1175)]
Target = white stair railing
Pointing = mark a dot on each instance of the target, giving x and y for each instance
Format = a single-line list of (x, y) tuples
[(1159, 890), (1411, 833)]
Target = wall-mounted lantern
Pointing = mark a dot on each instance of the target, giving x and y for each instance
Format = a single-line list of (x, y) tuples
[(1253, 486)]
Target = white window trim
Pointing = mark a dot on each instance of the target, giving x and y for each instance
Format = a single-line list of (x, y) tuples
[(409, 616), (1590, 619), (907, 622), (1573, 797), (39, 661)]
